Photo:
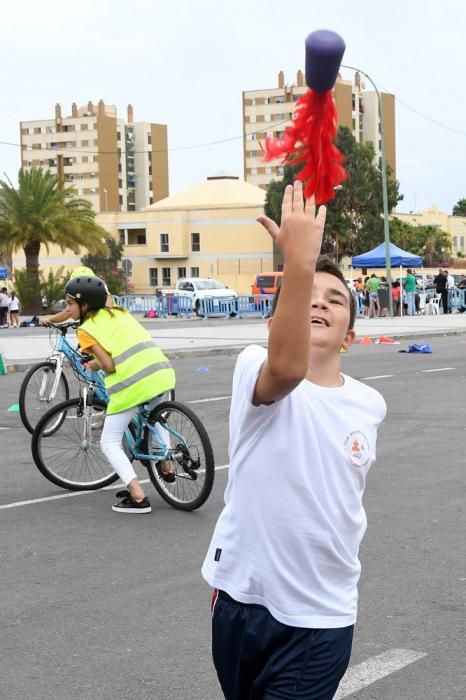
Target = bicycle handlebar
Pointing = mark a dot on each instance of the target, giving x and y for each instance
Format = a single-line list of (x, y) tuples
[(62, 327)]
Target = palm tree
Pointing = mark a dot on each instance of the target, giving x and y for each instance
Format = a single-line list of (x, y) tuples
[(40, 211)]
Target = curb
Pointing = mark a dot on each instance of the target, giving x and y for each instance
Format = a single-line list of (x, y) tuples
[(15, 366)]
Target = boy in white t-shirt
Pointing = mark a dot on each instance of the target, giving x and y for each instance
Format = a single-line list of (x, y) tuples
[(284, 555)]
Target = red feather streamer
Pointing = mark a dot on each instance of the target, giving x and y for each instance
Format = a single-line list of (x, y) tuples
[(311, 140)]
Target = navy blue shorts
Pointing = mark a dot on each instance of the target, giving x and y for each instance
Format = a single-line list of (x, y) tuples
[(259, 658)]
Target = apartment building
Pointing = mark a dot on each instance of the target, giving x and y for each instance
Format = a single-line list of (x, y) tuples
[(116, 164), (267, 112)]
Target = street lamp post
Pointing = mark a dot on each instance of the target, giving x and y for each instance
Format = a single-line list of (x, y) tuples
[(386, 227), (106, 200)]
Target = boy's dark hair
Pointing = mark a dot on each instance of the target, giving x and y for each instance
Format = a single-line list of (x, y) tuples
[(327, 265)]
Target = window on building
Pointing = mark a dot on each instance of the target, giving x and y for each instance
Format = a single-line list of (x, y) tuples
[(462, 242), (166, 276), (181, 272), (250, 137), (149, 139), (455, 242), (266, 117), (253, 171), (266, 100), (164, 243), (268, 170), (153, 277), (84, 127), (121, 234), (353, 101), (137, 236), (280, 170), (195, 242), (194, 272), (280, 99)]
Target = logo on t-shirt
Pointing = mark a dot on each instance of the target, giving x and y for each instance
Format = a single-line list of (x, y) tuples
[(357, 449)]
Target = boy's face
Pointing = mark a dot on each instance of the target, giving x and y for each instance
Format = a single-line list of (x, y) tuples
[(330, 314)]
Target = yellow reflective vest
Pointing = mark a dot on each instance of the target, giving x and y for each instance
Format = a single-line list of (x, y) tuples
[(141, 369)]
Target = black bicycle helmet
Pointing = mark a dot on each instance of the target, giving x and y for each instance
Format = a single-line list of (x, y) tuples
[(87, 290)]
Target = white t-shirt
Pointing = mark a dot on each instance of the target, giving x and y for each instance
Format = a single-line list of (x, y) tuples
[(289, 534), (4, 299), (14, 304), (450, 282)]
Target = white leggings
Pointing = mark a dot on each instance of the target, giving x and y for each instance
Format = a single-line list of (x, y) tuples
[(112, 437)]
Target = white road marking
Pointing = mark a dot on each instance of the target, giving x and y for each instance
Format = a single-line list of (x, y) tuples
[(33, 501), (379, 376), (439, 369), (214, 398), (375, 668), (3, 428)]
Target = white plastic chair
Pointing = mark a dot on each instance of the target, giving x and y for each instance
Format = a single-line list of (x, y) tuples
[(433, 307)]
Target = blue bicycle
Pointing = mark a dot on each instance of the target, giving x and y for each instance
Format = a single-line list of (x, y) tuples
[(46, 384), (66, 444)]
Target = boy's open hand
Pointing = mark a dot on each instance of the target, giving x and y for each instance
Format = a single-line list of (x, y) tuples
[(300, 235)]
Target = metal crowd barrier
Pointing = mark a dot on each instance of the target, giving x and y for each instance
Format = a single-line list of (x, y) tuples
[(236, 307), (165, 305)]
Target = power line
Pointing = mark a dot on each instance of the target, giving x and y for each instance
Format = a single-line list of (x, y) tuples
[(30, 149)]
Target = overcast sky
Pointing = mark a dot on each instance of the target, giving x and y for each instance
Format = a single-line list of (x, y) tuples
[(185, 63)]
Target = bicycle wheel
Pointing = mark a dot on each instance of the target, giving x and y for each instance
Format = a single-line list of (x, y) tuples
[(34, 395), (192, 454), (64, 456)]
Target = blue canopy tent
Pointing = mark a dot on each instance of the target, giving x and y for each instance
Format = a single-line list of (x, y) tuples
[(3, 273), (398, 258), (376, 258)]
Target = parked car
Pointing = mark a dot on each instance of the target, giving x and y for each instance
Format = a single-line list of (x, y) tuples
[(198, 288)]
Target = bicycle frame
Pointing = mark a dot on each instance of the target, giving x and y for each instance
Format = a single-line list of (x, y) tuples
[(65, 351), (134, 442)]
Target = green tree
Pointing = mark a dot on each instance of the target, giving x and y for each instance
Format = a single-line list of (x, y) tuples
[(354, 216), (40, 211), (52, 286), (431, 243), (107, 266), (460, 208)]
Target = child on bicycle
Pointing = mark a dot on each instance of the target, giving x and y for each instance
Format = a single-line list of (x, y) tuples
[(137, 371), (283, 560)]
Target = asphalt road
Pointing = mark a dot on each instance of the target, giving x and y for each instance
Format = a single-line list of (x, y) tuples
[(97, 606)]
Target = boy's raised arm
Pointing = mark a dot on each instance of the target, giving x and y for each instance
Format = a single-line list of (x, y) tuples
[(299, 239)]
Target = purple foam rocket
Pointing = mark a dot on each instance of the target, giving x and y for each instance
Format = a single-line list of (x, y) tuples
[(324, 53)]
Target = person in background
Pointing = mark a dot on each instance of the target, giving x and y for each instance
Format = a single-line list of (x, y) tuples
[(383, 296), (374, 304), (410, 289), (450, 285), (396, 298), (4, 304), (14, 310), (440, 282), (365, 296)]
